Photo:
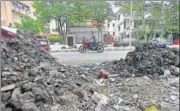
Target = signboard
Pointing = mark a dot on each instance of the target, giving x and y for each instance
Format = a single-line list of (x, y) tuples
[(94, 22)]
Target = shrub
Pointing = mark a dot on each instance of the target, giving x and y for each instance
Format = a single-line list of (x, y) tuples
[(54, 38)]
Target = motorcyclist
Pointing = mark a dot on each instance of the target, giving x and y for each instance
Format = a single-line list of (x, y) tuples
[(93, 40)]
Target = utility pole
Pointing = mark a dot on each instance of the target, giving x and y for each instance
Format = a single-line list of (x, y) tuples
[(174, 17), (130, 25)]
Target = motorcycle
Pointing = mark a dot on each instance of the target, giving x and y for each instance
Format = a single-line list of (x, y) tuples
[(86, 45)]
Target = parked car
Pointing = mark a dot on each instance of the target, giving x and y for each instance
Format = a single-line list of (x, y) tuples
[(57, 46), (76, 46), (125, 42), (161, 42), (176, 42), (44, 44)]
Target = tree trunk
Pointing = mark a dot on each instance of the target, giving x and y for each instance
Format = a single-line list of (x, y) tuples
[(154, 35), (60, 23), (66, 32), (143, 22), (59, 29)]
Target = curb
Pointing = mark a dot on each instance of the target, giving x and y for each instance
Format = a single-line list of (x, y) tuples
[(115, 49)]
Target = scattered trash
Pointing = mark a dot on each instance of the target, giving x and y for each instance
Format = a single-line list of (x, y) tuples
[(103, 74), (32, 80)]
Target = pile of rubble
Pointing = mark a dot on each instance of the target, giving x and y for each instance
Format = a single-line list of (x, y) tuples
[(148, 76), (146, 60), (32, 80)]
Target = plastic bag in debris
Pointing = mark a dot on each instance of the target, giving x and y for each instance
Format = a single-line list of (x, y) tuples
[(151, 108), (103, 74)]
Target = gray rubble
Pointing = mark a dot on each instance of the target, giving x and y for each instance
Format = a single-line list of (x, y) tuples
[(32, 80), (147, 60)]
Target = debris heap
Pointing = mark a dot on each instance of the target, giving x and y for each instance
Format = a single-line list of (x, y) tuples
[(146, 60), (32, 80)]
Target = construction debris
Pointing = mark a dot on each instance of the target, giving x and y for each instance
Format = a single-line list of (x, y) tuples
[(48, 83), (146, 60), (32, 80)]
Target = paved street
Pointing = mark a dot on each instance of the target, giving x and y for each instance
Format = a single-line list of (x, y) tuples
[(88, 57)]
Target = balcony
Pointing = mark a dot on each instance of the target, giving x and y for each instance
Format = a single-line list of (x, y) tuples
[(20, 7)]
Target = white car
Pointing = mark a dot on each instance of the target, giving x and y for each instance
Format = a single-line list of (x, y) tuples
[(57, 46), (78, 45)]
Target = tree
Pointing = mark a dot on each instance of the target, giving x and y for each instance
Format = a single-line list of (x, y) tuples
[(100, 10), (164, 18), (171, 17), (28, 23), (64, 13), (138, 15)]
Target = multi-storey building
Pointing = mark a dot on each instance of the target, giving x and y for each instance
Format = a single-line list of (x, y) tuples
[(12, 10)]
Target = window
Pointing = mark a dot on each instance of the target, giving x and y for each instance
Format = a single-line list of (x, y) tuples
[(113, 33), (113, 24), (119, 28), (108, 25), (118, 17), (124, 25), (108, 33)]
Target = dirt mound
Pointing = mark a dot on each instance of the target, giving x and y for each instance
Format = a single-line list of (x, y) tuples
[(147, 60), (32, 80)]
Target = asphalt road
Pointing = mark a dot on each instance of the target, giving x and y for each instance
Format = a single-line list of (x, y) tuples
[(88, 57)]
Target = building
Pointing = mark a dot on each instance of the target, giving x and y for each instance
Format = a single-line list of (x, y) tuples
[(75, 33), (12, 10), (81, 30)]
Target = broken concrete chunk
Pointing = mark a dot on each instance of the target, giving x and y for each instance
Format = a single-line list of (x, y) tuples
[(16, 94), (28, 86), (29, 107), (5, 96), (135, 96), (167, 73), (8, 87), (68, 99), (27, 97)]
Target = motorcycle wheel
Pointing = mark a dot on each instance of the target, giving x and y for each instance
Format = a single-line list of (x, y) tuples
[(100, 48), (82, 49)]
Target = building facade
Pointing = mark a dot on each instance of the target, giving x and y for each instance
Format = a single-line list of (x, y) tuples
[(84, 29), (12, 10)]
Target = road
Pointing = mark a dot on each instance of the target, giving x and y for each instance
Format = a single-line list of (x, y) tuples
[(88, 57)]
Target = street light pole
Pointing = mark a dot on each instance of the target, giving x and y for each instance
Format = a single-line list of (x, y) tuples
[(130, 26)]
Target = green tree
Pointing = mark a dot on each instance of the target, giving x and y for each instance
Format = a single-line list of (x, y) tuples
[(163, 19), (64, 13), (171, 17), (138, 15), (99, 11), (156, 12), (28, 23)]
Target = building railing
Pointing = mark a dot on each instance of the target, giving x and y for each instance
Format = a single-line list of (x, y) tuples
[(20, 7)]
